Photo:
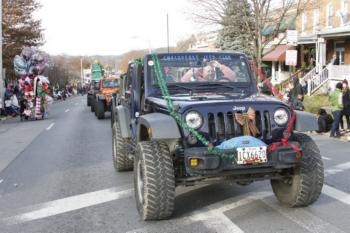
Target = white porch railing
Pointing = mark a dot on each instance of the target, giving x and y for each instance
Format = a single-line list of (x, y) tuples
[(339, 71), (309, 75), (317, 80)]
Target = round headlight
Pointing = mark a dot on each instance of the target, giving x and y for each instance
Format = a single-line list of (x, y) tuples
[(194, 119), (281, 116)]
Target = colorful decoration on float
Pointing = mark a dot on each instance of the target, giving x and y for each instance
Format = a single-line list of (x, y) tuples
[(30, 67)]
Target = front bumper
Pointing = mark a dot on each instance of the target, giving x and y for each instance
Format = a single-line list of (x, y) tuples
[(215, 163)]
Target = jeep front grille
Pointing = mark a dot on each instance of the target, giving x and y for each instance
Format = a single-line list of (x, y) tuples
[(223, 126)]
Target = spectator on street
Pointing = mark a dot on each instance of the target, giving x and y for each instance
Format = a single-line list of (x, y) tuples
[(324, 121), (336, 100), (296, 94), (346, 106), (11, 102), (9, 91), (304, 85)]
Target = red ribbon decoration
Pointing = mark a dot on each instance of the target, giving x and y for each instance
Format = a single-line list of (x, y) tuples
[(288, 131)]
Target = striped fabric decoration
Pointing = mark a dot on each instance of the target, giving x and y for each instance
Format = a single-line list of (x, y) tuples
[(38, 107)]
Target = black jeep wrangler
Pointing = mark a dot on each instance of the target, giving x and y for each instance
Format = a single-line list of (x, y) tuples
[(187, 118)]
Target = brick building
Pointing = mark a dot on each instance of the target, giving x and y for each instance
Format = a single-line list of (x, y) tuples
[(324, 31)]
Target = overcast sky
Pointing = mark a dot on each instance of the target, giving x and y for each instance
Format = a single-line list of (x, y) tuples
[(109, 27)]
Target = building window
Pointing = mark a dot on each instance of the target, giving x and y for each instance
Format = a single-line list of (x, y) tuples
[(329, 15), (316, 23), (343, 12), (303, 22)]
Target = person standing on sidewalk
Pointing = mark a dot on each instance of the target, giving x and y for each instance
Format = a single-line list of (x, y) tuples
[(346, 106), (296, 94), (336, 100)]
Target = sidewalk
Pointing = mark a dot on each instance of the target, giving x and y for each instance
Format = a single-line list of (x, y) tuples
[(2, 118)]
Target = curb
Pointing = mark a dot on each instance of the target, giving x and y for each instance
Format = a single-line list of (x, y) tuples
[(4, 118), (345, 137)]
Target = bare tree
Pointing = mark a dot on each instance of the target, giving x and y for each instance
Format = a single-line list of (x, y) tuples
[(262, 13), (20, 28), (129, 56), (183, 45)]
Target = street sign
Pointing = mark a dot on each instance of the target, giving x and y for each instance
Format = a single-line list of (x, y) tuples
[(292, 36), (291, 57)]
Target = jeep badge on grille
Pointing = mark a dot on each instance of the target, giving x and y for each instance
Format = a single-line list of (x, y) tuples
[(239, 108)]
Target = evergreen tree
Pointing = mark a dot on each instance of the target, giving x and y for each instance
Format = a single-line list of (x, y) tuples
[(237, 25), (19, 28)]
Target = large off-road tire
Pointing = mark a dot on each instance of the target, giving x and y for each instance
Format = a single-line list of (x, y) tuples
[(88, 100), (112, 111), (154, 181), (305, 185), (121, 161), (92, 102), (100, 109)]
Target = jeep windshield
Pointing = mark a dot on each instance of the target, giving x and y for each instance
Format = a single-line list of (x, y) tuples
[(202, 70), (110, 83)]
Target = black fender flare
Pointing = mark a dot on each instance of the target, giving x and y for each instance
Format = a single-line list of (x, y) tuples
[(124, 121), (158, 126), (305, 121)]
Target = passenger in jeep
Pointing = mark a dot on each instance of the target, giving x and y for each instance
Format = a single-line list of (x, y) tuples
[(169, 78), (208, 73)]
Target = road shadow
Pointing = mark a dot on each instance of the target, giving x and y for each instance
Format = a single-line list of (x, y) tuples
[(198, 198)]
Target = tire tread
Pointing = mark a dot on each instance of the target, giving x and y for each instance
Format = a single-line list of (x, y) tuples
[(121, 161), (311, 175), (159, 180)]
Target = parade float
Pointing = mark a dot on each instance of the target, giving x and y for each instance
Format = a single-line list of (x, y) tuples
[(30, 68)]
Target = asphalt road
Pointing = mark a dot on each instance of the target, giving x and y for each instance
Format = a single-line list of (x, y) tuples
[(57, 175)]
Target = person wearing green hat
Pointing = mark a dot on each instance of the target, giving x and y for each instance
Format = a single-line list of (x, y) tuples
[(336, 100)]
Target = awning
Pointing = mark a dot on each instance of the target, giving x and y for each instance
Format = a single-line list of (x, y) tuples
[(288, 23), (277, 53), (268, 30)]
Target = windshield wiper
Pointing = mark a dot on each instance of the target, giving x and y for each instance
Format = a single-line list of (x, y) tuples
[(236, 90), (215, 84), (181, 86)]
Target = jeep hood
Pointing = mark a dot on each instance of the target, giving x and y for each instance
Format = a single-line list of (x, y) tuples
[(185, 102)]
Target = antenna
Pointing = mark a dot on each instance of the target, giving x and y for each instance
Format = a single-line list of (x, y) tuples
[(167, 29)]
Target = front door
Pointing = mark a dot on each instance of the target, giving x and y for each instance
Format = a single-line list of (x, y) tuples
[(340, 52)]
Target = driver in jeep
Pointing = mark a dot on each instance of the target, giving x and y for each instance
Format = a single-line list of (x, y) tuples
[(208, 73)]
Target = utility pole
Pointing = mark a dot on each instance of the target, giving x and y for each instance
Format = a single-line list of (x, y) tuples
[(1, 69), (167, 30), (81, 72)]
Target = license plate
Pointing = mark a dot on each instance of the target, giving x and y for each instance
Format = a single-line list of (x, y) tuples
[(251, 155)]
